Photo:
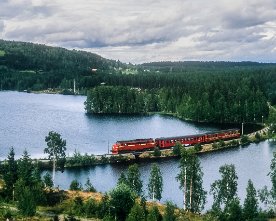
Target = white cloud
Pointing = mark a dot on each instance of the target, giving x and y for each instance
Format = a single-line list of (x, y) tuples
[(147, 30)]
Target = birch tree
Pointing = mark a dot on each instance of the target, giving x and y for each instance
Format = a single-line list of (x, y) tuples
[(224, 190), (55, 149), (134, 179), (191, 183), (155, 186)]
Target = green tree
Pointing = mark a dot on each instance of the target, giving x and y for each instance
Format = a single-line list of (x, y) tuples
[(136, 213), (26, 202), (91, 208), (10, 175), (89, 187), (75, 185), (25, 169), (198, 147), (122, 200), (250, 206), (77, 206), (190, 179), (156, 152), (154, 214), (55, 149), (177, 149), (244, 139), (233, 211), (47, 179), (169, 214), (134, 179), (155, 186), (122, 179), (224, 190)]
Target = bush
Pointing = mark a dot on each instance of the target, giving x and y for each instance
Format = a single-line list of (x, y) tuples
[(71, 218), (75, 185), (156, 152), (47, 179), (77, 206), (177, 149), (89, 187), (221, 143), (215, 145), (198, 147), (258, 137), (233, 143), (26, 202), (55, 218), (154, 214), (169, 212), (244, 140), (91, 207)]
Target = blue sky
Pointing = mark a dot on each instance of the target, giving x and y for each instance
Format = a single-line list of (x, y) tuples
[(147, 30)]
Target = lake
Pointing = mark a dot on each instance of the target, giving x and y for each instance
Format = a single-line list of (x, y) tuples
[(25, 120)]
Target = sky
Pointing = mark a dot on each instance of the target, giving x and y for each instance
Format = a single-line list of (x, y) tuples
[(140, 31)]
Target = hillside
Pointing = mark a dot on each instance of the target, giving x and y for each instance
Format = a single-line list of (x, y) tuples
[(35, 66)]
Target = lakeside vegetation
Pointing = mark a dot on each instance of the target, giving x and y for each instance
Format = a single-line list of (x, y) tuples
[(24, 193)]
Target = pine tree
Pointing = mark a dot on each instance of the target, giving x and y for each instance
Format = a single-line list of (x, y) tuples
[(122, 179), (10, 175), (26, 202), (136, 213), (155, 186), (250, 206), (47, 179), (25, 169)]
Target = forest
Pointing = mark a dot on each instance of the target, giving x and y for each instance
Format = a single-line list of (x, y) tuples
[(201, 91)]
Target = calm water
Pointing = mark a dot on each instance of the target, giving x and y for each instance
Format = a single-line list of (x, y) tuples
[(25, 120)]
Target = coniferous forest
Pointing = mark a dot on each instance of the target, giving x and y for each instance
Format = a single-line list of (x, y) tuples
[(200, 91)]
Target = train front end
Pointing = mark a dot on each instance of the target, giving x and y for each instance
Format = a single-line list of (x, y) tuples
[(115, 148)]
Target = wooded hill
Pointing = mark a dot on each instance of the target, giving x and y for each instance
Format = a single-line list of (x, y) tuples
[(36, 67), (201, 91)]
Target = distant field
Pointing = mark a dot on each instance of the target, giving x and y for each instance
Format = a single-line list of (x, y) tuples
[(2, 53)]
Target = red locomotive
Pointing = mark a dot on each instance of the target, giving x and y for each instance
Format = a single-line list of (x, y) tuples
[(140, 145)]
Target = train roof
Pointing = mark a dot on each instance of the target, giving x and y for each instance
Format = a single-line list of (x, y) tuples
[(196, 135), (135, 141)]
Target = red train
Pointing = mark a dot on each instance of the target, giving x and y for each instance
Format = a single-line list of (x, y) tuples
[(139, 145)]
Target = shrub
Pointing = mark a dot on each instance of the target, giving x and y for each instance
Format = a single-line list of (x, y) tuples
[(75, 185), (89, 187), (258, 137), (91, 207), (47, 179), (244, 140), (233, 143), (198, 147), (221, 143), (156, 152), (215, 145), (177, 149)]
